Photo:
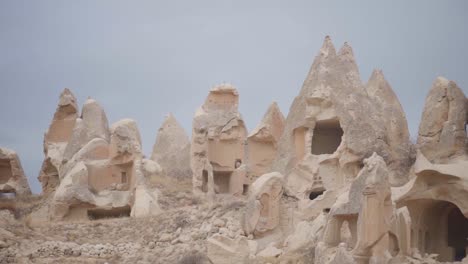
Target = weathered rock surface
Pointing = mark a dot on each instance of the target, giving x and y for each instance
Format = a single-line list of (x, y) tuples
[(172, 148), (218, 143), (333, 124), (56, 139), (442, 133), (262, 213), (92, 124), (12, 178), (263, 142)]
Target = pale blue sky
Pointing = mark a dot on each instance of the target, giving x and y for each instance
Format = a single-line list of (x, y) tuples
[(143, 59)]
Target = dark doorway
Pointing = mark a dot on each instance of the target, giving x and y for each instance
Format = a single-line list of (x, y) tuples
[(327, 137)]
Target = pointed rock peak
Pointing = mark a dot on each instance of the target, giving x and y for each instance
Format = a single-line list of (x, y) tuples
[(171, 122), (170, 118), (346, 52), (67, 98), (377, 76), (90, 100), (66, 92), (273, 111), (379, 88), (327, 48), (273, 121), (442, 81)]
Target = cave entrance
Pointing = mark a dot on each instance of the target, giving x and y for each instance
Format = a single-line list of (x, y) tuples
[(457, 233), (96, 214), (221, 181), (326, 137), (440, 228), (5, 171)]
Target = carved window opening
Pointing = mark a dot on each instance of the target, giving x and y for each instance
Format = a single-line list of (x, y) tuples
[(245, 189), (326, 137), (222, 181), (314, 194), (124, 177), (204, 181)]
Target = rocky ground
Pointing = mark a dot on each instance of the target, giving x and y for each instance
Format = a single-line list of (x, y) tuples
[(176, 236)]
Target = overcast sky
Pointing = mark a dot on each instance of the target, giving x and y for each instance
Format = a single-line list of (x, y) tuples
[(144, 59)]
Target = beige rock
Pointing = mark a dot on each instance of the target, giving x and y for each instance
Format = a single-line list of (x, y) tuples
[(396, 126), (172, 149), (305, 235), (263, 142), (333, 125), (373, 238), (56, 139), (442, 133), (270, 252), (125, 142), (92, 124), (12, 178), (224, 250), (262, 213), (146, 202), (218, 142), (436, 201), (104, 179)]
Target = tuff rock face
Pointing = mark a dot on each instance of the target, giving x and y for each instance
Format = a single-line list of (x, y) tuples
[(12, 178), (218, 143), (172, 148), (442, 133), (93, 171), (334, 123), (263, 141), (56, 139)]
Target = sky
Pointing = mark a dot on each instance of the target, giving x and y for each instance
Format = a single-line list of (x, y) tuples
[(144, 59)]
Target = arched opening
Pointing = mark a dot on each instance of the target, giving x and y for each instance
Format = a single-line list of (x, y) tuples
[(314, 194), (439, 227), (326, 137), (394, 249), (457, 233)]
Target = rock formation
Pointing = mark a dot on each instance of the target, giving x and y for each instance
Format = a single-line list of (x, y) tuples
[(56, 139), (334, 124), (263, 142), (442, 132), (12, 178), (262, 210), (336, 182), (172, 149), (218, 143), (436, 195), (92, 171)]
